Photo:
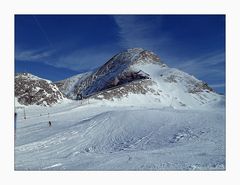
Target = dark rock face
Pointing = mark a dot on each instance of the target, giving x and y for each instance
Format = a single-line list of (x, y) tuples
[(126, 77), (136, 87), (31, 90)]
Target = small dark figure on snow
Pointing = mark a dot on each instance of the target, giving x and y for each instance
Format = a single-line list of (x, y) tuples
[(79, 96), (49, 124)]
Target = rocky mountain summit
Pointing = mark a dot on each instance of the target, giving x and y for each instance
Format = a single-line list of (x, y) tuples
[(137, 72), (119, 70)]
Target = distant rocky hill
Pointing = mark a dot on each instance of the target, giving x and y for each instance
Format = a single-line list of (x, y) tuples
[(32, 90)]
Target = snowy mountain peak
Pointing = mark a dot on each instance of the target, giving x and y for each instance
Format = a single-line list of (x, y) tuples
[(117, 71), (138, 76)]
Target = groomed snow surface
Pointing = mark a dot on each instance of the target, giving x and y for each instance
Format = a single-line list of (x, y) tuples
[(91, 135)]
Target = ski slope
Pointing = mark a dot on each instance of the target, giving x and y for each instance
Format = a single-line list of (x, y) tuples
[(92, 135)]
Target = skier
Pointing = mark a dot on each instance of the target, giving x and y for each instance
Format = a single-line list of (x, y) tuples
[(49, 124)]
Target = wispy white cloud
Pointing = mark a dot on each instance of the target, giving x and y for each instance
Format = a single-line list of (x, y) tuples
[(87, 58), (217, 85), (134, 31), (210, 64), (78, 59), (33, 55)]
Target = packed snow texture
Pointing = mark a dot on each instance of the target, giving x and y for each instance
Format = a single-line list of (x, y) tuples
[(94, 135)]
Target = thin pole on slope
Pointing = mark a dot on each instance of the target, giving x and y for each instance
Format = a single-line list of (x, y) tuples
[(49, 122), (15, 124), (24, 113)]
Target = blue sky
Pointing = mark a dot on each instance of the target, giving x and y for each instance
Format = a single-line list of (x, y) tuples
[(59, 46)]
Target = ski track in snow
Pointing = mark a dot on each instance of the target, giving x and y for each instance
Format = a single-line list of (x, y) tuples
[(94, 137)]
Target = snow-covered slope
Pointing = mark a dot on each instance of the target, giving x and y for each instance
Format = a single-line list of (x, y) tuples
[(68, 86), (169, 87), (32, 90), (129, 75), (96, 137)]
